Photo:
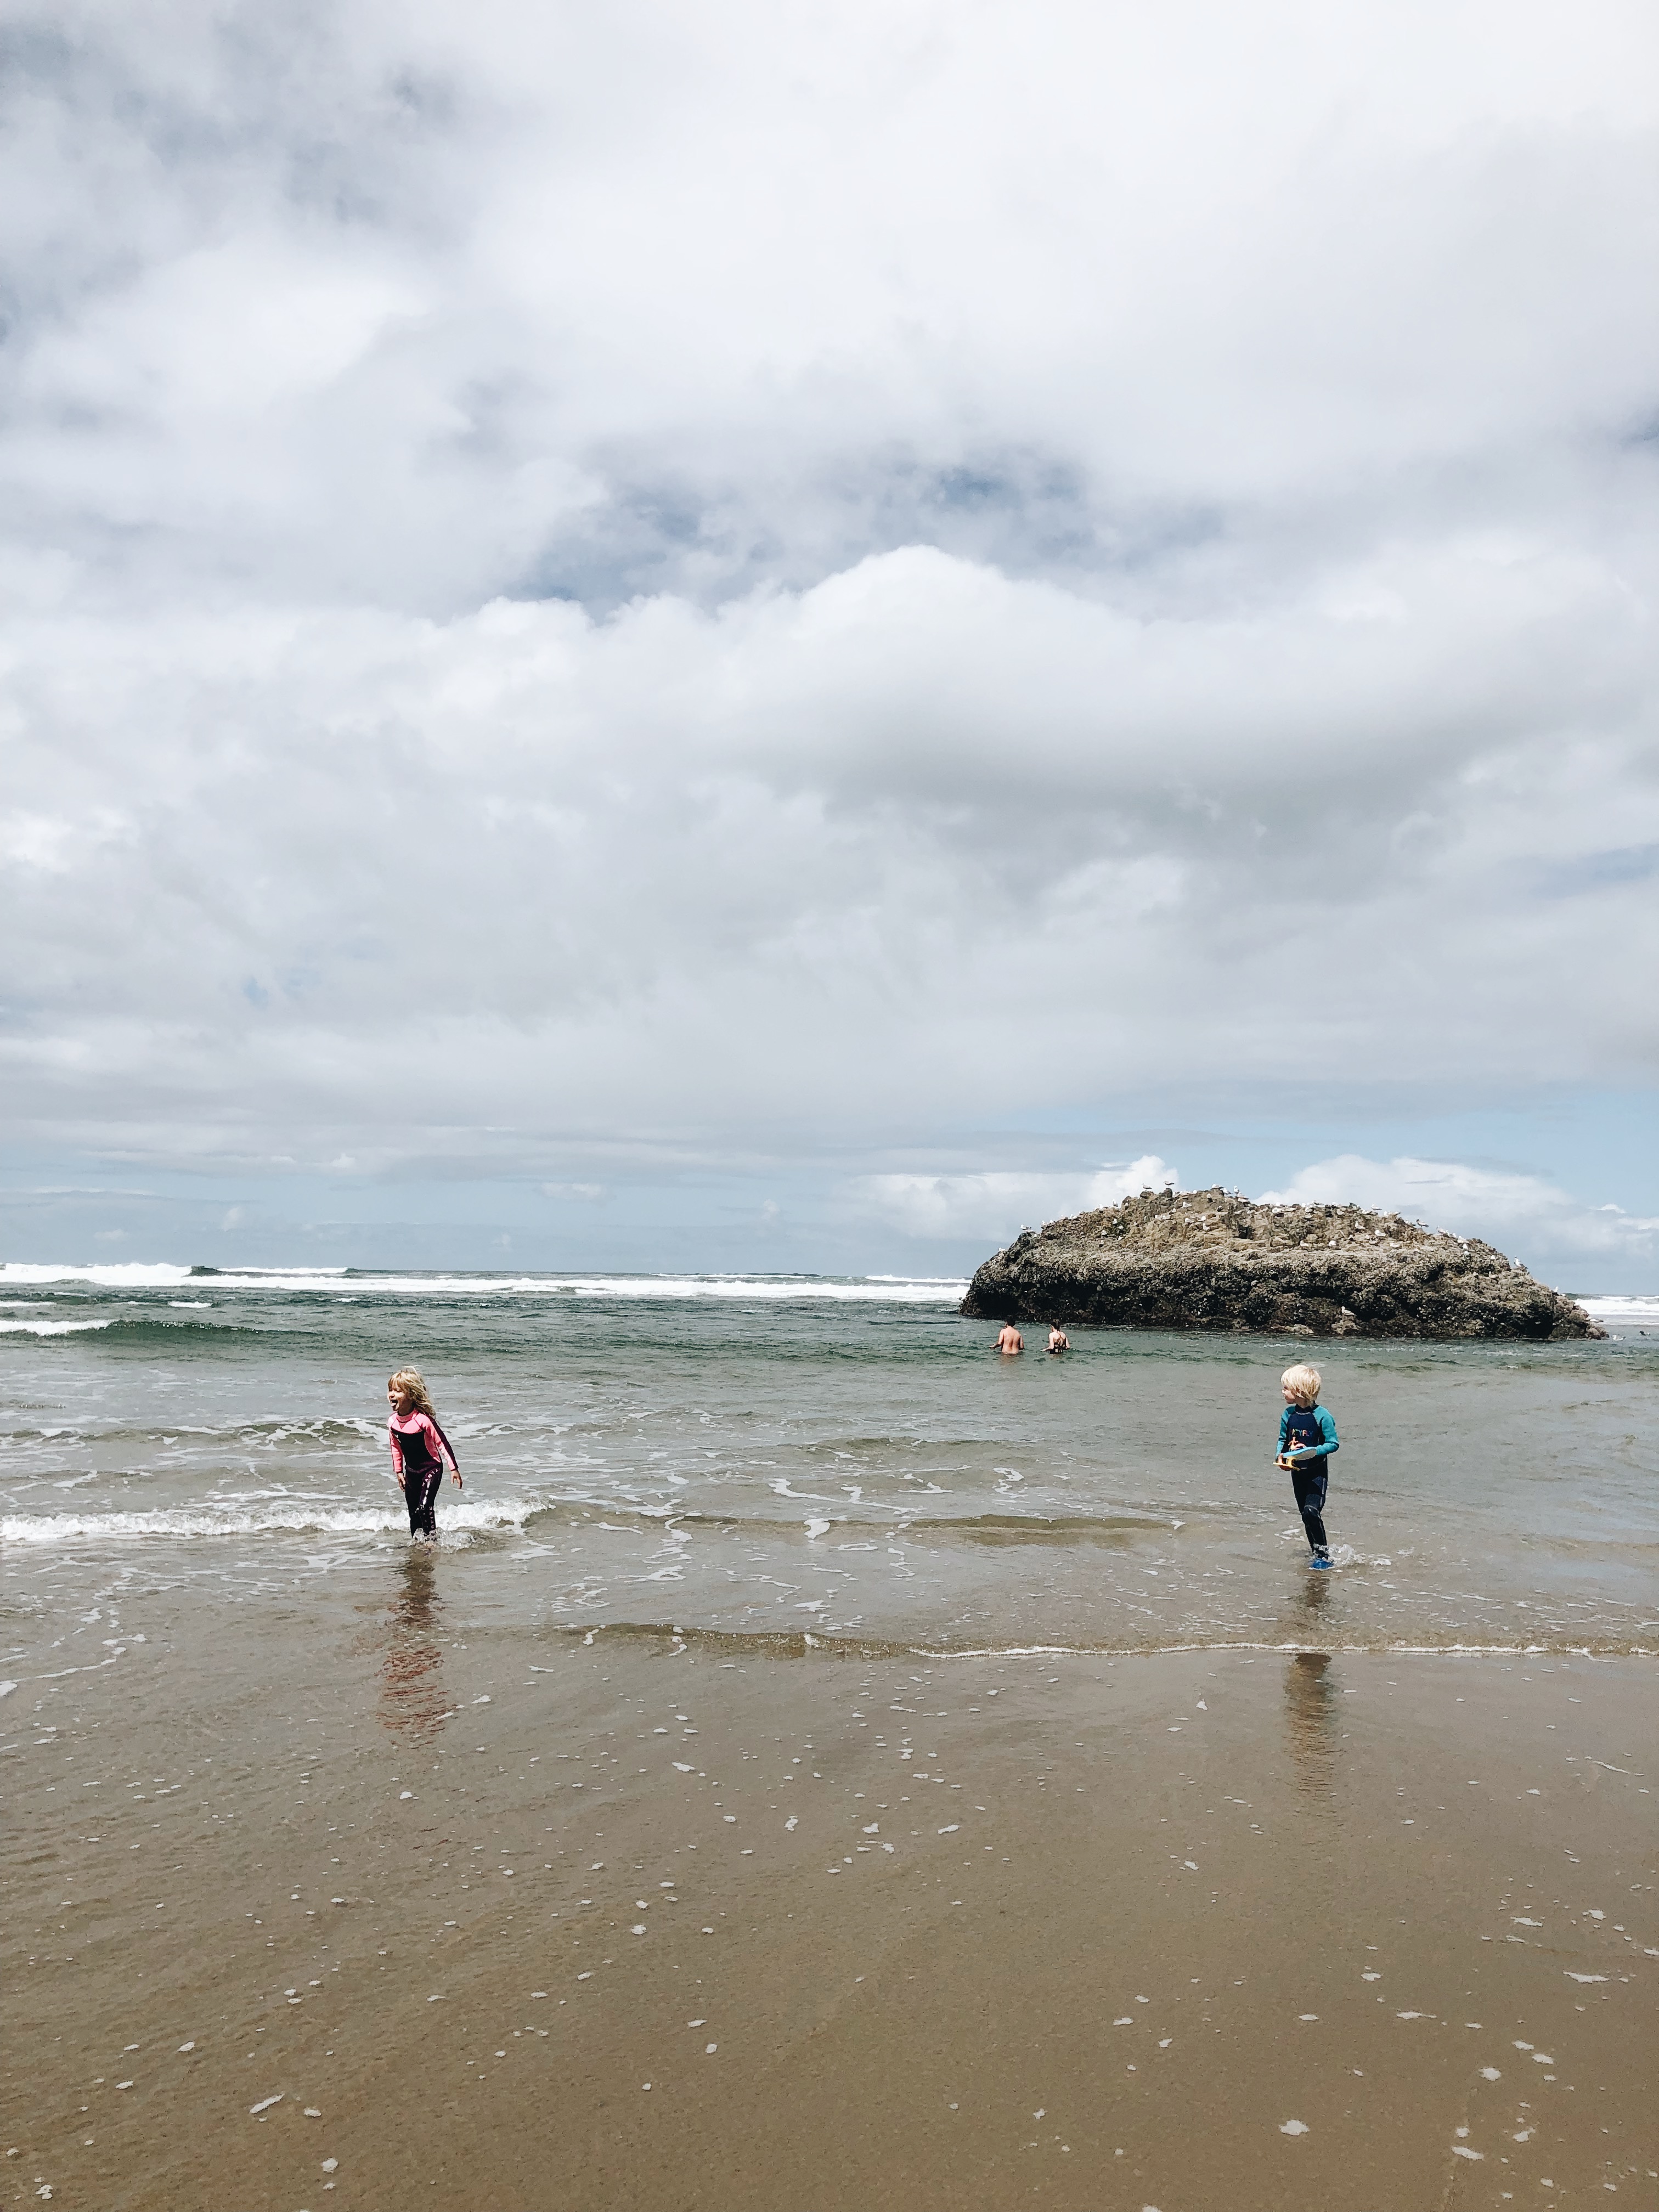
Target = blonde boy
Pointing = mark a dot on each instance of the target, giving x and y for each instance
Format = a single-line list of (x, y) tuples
[(1307, 1437)]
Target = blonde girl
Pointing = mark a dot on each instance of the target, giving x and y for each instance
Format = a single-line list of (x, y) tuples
[(419, 1448)]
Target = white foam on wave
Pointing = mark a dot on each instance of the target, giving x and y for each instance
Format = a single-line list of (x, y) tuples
[(292, 1517), (48, 1328), (142, 1275), (903, 1290), (885, 1290), (1641, 1312)]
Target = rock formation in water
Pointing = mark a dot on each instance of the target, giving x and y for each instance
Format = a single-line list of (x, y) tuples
[(1212, 1260)]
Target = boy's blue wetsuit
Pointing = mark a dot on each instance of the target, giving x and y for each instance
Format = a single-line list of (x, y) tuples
[(1300, 1426)]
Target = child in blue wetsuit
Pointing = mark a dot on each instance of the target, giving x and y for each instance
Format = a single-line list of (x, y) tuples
[(1307, 1437)]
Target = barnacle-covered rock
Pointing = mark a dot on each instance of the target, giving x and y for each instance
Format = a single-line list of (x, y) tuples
[(1213, 1260)]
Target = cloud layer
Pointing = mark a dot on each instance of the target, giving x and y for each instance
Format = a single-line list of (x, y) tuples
[(606, 593), (983, 1207), (420, 303), (1512, 1210), (921, 840)]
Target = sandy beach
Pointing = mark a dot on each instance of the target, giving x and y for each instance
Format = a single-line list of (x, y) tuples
[(390, 1906)]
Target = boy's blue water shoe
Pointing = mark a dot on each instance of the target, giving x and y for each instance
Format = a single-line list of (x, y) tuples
[(1318, 1563)]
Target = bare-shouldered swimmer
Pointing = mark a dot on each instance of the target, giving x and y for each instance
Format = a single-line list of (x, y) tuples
[(1010, 1341), (1058, 1339)]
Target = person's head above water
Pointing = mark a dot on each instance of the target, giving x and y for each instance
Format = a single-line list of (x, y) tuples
[(408, 1394), (1301, 1385)]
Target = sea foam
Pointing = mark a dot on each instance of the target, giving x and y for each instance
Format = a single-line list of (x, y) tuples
[(279, 1517), (48, 1328), (1641, 1313)]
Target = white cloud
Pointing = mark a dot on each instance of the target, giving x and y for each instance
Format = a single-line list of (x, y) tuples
[(417, 304), (1513, 1210), (50, 845), (920, 836), (994, 1206), (596, 586)]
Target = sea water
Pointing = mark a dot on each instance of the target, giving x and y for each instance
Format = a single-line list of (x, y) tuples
[(812, 1462)]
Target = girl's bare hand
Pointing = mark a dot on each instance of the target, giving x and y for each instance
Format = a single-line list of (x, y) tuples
[(456, 1480)]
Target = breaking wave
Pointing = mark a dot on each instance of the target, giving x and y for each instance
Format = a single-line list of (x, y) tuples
[(1632, 1311), (50, 1328), (278, 1516)]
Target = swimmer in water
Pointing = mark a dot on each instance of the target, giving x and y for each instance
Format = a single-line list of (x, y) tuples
[(1058, 1339), (1010, 1341), (419, 1448)]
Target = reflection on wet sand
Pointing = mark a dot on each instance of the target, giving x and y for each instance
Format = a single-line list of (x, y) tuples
[(412, 1697), (1310, 1710)]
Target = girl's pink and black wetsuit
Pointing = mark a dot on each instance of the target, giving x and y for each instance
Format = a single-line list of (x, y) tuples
[(418, 1446)]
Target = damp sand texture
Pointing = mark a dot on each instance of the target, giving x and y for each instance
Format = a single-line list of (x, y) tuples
[(403, 1911)]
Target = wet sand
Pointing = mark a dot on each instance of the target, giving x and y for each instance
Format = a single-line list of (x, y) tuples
[(519, 1921)]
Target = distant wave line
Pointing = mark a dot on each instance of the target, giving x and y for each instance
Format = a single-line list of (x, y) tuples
[(877, 1289), (887, 1290)]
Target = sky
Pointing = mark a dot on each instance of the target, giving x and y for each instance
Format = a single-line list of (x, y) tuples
[(789, 637)]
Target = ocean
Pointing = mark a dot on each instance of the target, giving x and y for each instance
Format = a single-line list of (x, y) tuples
[(802, 1463)]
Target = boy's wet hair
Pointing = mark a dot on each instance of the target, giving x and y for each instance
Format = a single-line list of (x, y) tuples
[(1304, 1383)]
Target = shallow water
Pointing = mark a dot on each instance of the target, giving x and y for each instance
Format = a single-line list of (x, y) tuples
[(833, 1460)]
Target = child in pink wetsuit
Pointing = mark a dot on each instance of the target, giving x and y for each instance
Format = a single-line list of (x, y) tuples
[(419, 1448)]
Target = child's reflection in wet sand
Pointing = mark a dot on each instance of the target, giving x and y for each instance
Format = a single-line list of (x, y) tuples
[(1310, 1710), (412, 1699)]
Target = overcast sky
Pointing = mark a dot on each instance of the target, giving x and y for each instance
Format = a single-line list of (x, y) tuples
[(788, 635)]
